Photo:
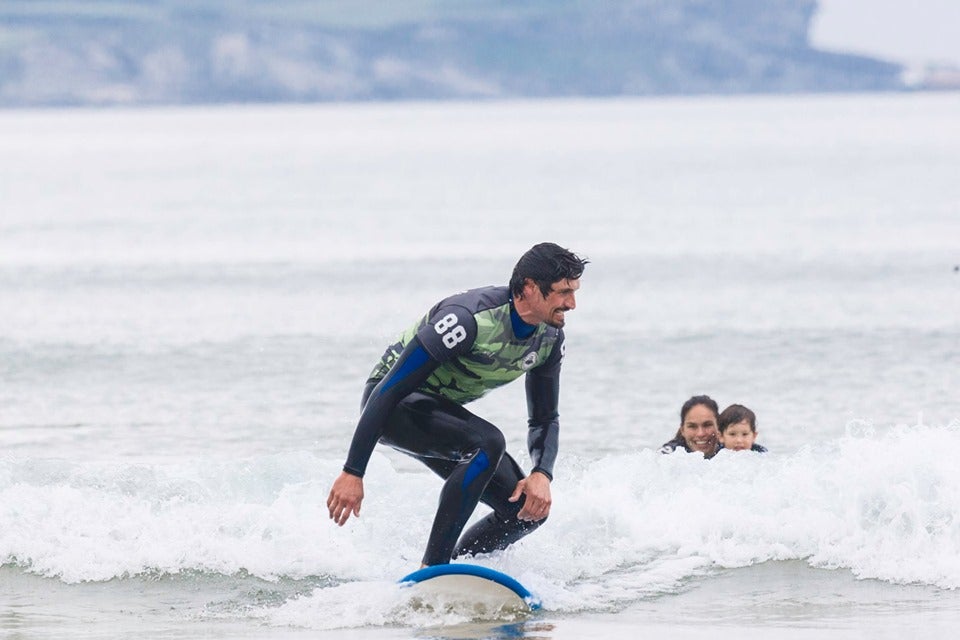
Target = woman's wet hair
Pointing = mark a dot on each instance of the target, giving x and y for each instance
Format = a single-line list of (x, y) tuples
[(735, 414), (545, 263), (706, 401)]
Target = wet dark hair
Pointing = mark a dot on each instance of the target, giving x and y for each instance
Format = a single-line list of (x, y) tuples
[(706, 401), (734, 414), (545, 263)]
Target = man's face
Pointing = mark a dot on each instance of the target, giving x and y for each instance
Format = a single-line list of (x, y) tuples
[(551, 309)]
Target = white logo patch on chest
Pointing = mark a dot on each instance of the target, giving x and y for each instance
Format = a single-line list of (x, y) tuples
[(530, 360)]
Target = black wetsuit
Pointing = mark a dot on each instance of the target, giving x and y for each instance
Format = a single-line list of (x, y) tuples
[(680, 443), (672, 445), (466, 345), (759, 448)]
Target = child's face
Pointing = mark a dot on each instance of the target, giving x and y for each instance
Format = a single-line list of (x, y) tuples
[(738, 436)]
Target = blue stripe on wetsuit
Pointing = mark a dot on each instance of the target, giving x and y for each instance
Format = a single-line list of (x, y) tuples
[(477, 466), (414, 361)]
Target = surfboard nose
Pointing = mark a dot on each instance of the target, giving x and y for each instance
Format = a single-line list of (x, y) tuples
[(472, 583)]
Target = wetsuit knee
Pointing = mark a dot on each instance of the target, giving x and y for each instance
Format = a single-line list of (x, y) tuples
[(492, 441), (490, 448)]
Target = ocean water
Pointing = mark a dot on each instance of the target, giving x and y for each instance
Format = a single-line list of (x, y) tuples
[(191, 299)]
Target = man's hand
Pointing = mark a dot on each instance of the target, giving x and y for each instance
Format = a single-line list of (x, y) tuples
[(345, 497), (536, 486)]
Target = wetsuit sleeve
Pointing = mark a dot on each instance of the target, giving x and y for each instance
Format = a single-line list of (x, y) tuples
[(543, 401), (448, 333), (411, 368), (677, 443)]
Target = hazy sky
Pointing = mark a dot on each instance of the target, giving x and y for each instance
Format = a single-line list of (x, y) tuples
[(913, 32)]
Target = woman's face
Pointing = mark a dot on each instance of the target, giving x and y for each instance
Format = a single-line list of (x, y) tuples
[(699, 429)]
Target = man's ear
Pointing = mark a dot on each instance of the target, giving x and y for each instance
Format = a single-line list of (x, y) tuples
[(530, 287), (524, 292)]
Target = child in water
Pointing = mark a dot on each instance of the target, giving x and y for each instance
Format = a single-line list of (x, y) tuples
[(738, 429)]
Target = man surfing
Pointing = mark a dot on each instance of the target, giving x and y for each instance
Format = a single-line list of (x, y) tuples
[(466, 345)]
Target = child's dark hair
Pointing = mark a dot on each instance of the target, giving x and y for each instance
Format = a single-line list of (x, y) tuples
[(735, 414)]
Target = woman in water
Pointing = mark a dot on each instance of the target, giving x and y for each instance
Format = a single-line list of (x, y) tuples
[(699, 418)]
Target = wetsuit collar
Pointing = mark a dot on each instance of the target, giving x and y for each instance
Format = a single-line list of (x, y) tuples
[(520, 328)]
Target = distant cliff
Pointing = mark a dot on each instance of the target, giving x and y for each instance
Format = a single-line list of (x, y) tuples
[(101, 52)]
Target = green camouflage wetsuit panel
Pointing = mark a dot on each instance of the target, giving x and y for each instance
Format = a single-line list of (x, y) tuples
[(479, 334)]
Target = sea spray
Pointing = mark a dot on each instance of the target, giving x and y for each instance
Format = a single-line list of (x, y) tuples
[(624, 527)]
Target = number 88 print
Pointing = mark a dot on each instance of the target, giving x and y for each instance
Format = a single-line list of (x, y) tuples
[(456, 334)]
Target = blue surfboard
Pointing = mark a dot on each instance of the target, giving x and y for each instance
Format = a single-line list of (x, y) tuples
[(472, 583)]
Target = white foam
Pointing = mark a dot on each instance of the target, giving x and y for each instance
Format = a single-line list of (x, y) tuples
[(623, 528)]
